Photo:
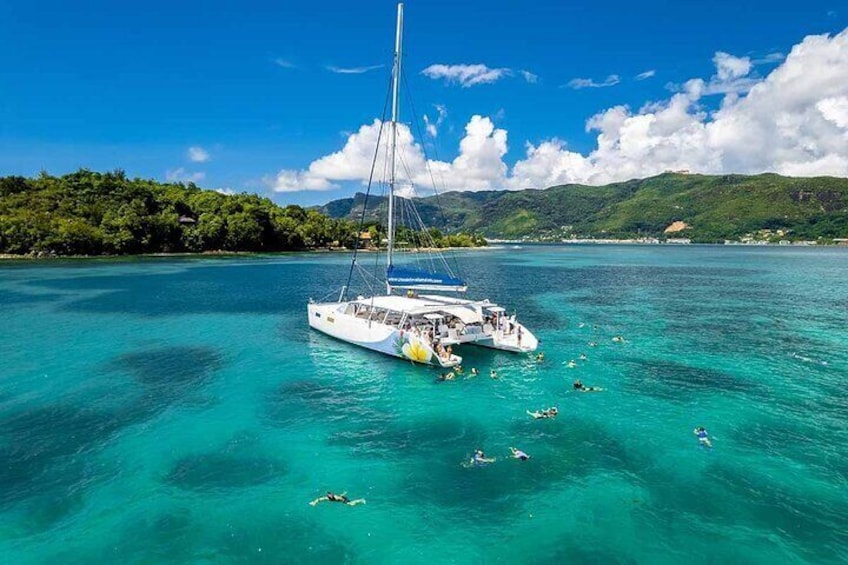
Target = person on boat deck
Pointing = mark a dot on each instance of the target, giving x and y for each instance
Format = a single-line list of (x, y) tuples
[(518, 454), (519, 335), (337, 498), (703, 437), (449, 351)]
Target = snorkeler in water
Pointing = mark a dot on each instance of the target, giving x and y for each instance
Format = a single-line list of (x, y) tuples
[(703, 437), (580, 387), (474, 372), (479, 458), (540, 357), (547, 413), (330, 497), (493, 374), (518, 454), (582, 357)]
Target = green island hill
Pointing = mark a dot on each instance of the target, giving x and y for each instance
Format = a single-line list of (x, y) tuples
[(91, 213), (701, 208)]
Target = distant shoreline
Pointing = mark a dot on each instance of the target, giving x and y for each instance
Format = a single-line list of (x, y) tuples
[(49, 257)]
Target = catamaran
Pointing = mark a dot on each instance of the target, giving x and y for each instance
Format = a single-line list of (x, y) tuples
[(413, 320)]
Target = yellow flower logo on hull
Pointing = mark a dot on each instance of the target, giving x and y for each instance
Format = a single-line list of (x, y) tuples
[(414, 351)]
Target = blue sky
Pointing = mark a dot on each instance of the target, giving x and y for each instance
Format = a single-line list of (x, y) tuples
[(134, 85)]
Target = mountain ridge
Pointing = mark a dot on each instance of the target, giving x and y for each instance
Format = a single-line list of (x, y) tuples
[(713, 208)]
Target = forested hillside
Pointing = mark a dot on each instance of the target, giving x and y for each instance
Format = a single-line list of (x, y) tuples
[(91, 213), (713, 208)]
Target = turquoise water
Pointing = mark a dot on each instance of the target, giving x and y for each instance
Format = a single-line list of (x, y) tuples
[(180, 410)]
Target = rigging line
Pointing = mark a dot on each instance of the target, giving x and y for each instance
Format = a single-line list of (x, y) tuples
[(432, 248), (367, 191), (382, 204), (415, 215), (362, 273), (427, 162), (417, 251)]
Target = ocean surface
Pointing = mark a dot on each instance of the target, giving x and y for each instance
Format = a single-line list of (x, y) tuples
[(181, 410)]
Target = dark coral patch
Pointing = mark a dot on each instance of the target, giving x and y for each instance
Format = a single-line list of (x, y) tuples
[(214, 471), (177, 366), (673, 380)]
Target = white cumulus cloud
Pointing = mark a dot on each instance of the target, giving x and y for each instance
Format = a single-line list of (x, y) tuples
[(432, 125), (181, 175), (770, 58), (466, 75), (478, 166), (352, 70), (578, 83), (284, 63), (529, 77), (729, 67), (198, 154), (793, 121)]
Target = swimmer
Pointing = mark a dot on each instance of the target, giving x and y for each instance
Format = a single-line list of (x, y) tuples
[(479, 458), (581, 325), (582, 357), (807, 359), (518, 454), (541, 414), (593, 344), (578, 386), (703, 437), (474, 372), (493, 374), (618, 339), (459, 370), (540, 357), (337, 498), (446, 377), (571, 364)]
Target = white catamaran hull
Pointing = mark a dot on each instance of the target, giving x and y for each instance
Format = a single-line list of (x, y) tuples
[(331, 320), (510, 342), (420, 328)]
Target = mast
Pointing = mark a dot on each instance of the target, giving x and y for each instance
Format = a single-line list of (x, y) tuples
[(395, 111)]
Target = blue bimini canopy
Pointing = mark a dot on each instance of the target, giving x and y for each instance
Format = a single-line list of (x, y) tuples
[(419, 279)]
